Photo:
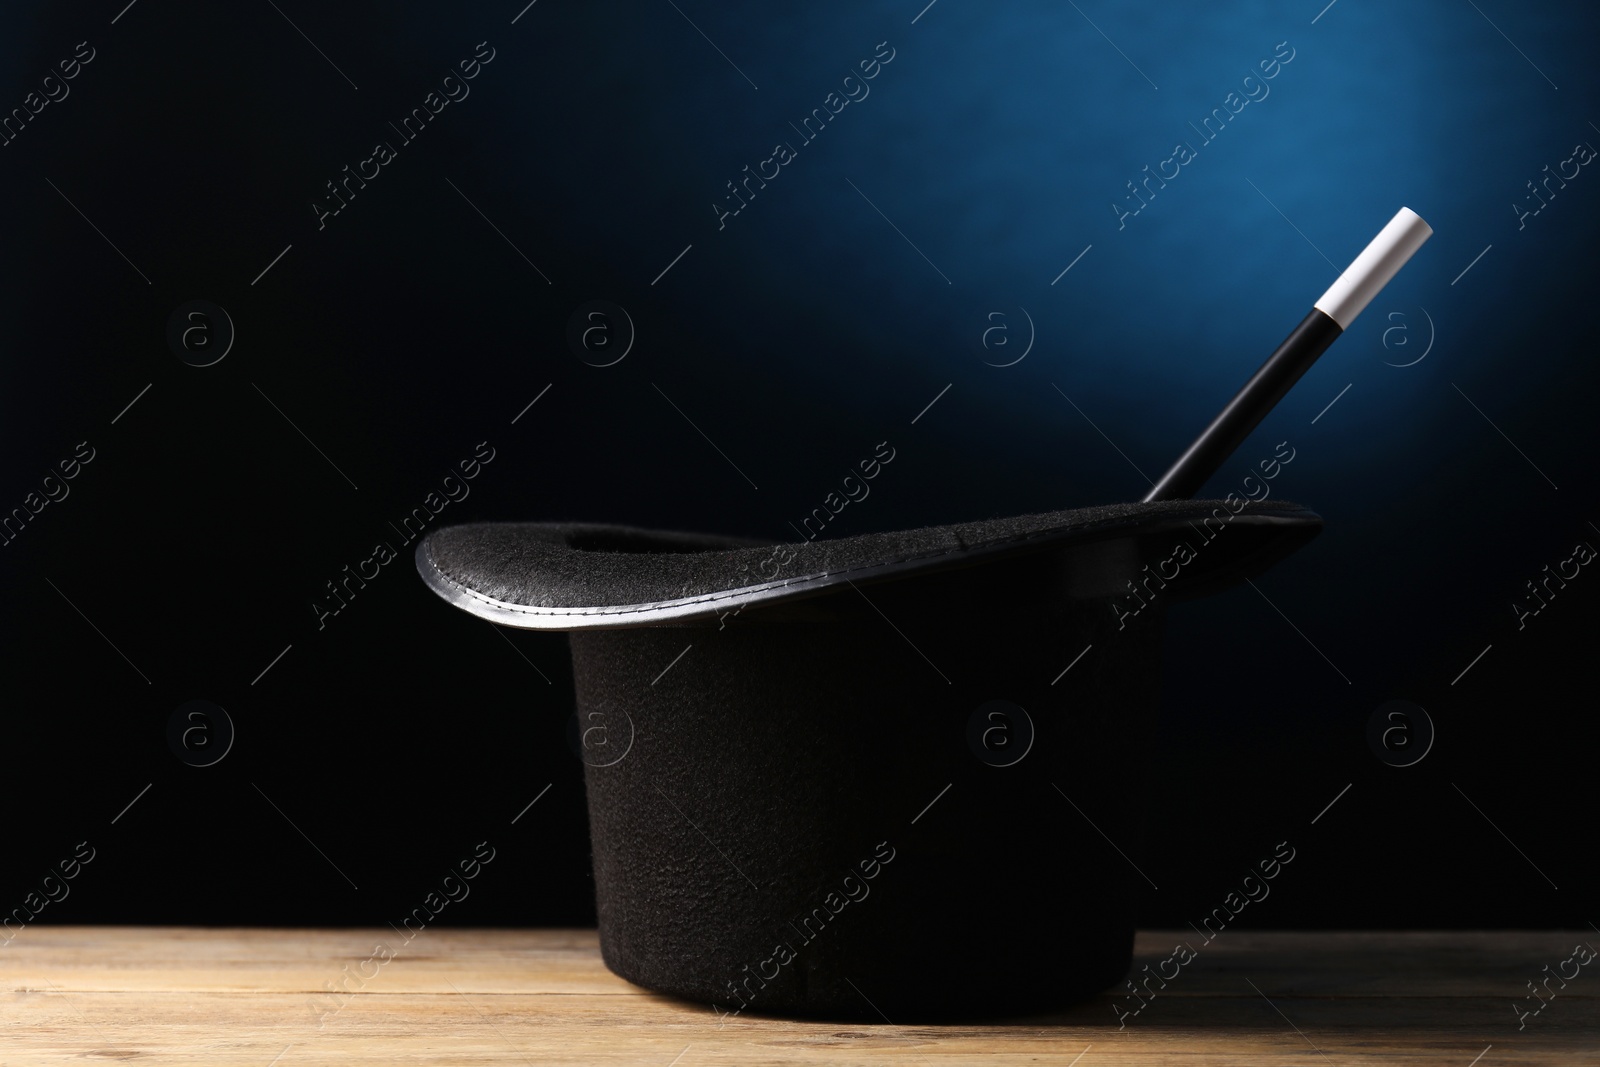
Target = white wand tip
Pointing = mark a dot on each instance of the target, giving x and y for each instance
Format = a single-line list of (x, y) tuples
[(1380, 261)]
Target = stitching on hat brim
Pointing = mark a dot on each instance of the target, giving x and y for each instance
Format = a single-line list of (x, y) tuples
[(701, 605)]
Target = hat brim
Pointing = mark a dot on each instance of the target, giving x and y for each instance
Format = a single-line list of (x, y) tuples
[(573, 576)]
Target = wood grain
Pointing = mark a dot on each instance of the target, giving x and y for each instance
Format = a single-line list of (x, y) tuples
[(259, 997)]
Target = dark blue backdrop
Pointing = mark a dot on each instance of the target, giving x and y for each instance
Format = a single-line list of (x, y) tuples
[(958, 210)]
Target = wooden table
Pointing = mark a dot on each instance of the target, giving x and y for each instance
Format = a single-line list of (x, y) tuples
[(259, 997)]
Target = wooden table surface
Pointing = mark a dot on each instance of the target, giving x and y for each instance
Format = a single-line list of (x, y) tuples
[(259, 997)]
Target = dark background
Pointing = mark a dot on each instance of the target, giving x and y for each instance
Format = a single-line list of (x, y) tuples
[(373, 753)]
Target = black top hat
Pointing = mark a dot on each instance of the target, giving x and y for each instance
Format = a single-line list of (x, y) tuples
[(767, 799), (766, 726)]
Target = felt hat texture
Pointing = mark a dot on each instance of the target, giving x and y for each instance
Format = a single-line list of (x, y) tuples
[(856, 777)]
